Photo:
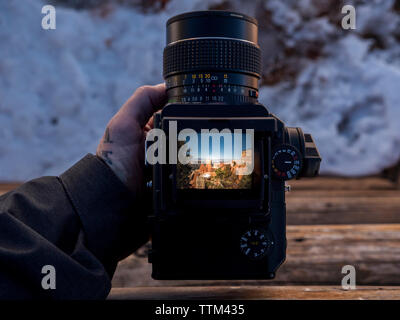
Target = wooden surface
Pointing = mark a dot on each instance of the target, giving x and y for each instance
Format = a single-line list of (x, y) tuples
[(255, 292), (315, 256), (331, 222), (343, 201)]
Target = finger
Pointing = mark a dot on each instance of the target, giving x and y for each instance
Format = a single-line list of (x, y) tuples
[(144, 102), (150, 124), (147, 128)]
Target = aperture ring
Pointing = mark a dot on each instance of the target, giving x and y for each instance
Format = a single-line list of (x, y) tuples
[(212, 54)]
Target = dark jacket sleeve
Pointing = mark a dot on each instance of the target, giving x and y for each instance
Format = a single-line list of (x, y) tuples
[(81, 223)]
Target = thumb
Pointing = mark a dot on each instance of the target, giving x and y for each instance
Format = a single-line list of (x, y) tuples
[(144, 102)]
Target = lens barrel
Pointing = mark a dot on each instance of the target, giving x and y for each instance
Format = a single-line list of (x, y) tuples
[(212, 57)]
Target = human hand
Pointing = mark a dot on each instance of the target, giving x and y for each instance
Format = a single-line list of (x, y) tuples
[(122, 145)]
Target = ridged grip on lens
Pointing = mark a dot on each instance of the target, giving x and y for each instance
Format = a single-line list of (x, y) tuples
[(227, 55)]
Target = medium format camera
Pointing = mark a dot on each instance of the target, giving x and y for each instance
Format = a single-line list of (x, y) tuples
[(220, 212)]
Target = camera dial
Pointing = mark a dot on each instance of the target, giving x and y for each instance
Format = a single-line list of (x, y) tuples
[(286, 162), (255, 243)]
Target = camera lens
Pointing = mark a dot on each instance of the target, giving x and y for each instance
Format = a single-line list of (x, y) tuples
[(212, 57)]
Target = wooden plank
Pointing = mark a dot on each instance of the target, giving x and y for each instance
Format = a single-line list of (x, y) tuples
[(255, 292), (315, 256), (304, 184), (338, 208), (342, 183), (306, 207), (343, 217), (316, 193), (318, 183), (333, 206), (327, 200)]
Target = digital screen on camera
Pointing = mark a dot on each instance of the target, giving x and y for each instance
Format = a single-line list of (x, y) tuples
[(218, 162)]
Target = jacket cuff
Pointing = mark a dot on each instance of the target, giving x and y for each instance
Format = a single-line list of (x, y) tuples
[(105, 207)]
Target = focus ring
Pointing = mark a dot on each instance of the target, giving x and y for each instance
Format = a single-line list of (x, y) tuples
[(212, 54)]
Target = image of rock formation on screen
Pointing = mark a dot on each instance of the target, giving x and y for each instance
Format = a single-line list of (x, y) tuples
[(214, 174)]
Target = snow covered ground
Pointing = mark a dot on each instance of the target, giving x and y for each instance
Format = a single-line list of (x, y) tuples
[(58, 88)]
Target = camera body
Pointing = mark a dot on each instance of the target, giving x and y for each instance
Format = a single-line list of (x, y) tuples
[(213, 216), (227, 233)]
